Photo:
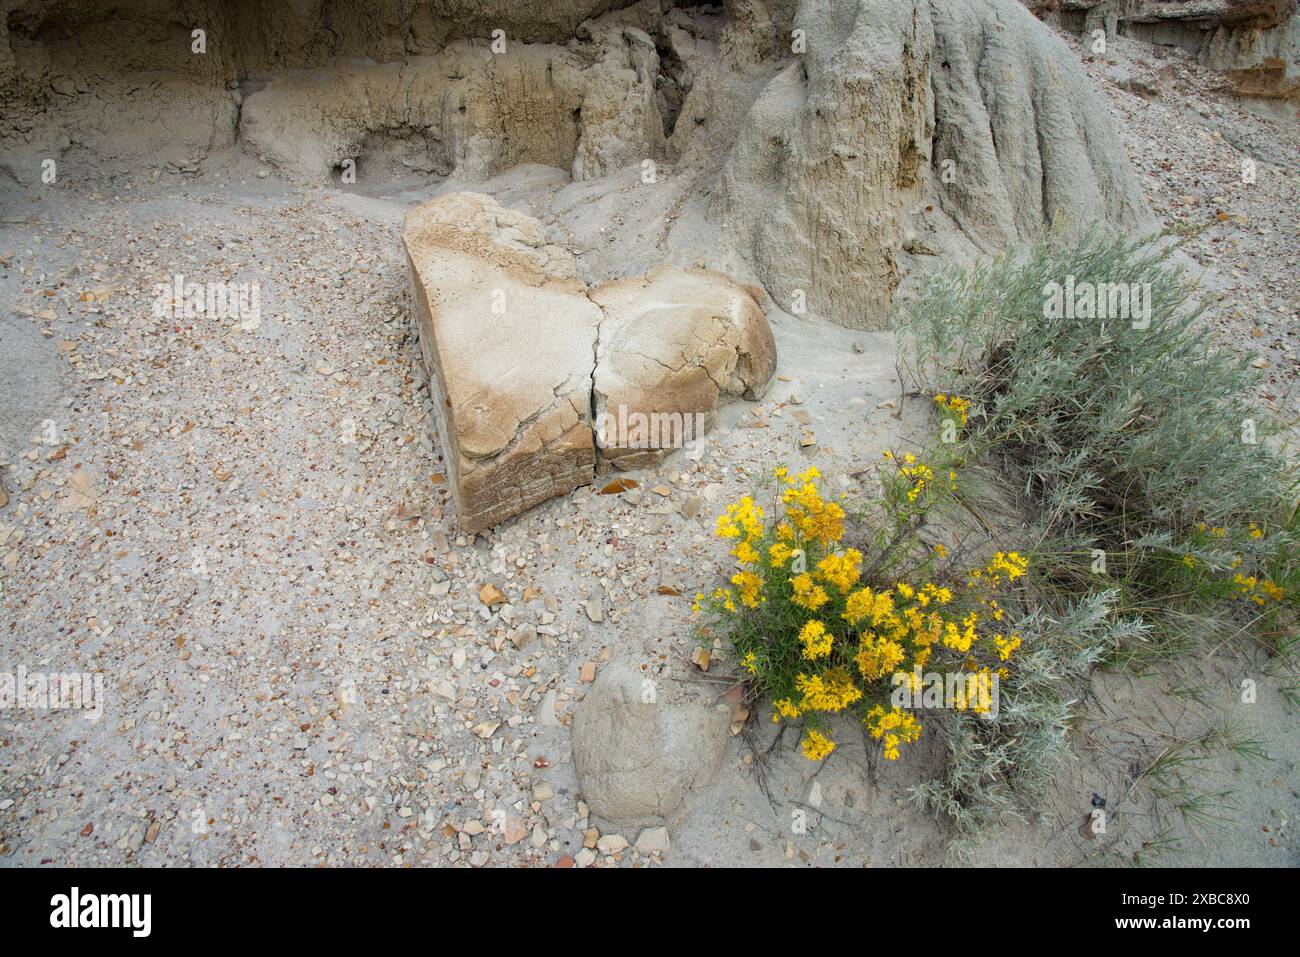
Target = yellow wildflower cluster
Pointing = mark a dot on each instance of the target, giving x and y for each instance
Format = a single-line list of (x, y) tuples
[(825, 642), (816, 745), (917, 477), (975, 693), (958, 407), (748, 585), (784, 708), (1257, 589), (1008, 565), (808, 593), (833, 690), (918, 473), (864, 604), (806, 512), (1006, 645), (742, 518), (878, 657), (1220, 531), (892, 728), (779, 554), (841, 570), (816, 640)]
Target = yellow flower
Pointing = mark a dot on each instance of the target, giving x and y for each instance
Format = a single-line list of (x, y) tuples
[(895, 727), (842, 571), (750, 663), (864, 604), (816, 745), (878, 657), (1252, 586), (726, 597), (1011, 564), (833, 690), (960, 639), (807, 593), (975, 693), (743, 517), (938, 593), (809, 514), (816, 640), (955, 405), (784, 708), (920, 474), (1006, 646), (779, 554), (749, 585)]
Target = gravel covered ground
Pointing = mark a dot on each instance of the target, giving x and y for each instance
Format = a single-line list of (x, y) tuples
[(245, 528), (1196, 150), (244, 525)]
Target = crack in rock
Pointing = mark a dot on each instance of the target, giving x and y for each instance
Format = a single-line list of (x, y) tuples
[(540, 383)]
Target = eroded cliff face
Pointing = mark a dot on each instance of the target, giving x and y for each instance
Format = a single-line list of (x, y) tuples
[(1255, 42), (830, 138), (967, 106)]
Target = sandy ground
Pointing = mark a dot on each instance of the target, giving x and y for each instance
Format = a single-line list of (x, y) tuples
[(245, 528)]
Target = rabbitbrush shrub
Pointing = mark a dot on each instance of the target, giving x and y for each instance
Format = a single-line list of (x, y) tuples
[(823, 628)]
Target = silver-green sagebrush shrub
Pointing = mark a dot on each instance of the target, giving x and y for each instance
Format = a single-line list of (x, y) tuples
[(1139, 454), (1153, 489)]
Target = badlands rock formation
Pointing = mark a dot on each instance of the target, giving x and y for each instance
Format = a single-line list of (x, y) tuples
[(507, 335), (467, 110), (832, 140), (674, 342), (897, 106), (519, 352), (832, 145), (1256, 41)]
